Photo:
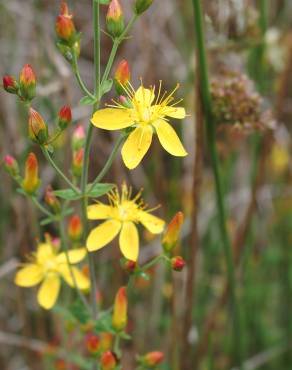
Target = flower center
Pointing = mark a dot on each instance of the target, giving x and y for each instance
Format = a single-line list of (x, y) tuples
[(50, 265), (127, 211)]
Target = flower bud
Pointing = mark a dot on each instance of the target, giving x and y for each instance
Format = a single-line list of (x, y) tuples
[(122, 76), (64, 117), (77, 162), (152, 359), (119, 319), (51, 200), (31, 181), (75, 228), (27, 83), (141, 6), (172, 232), (106, 341), (92, 343), (108, 361), (78, 138), (128, 265), (177, 263), (11, 166), (64, 26), (115, 19), (10, 84), (37, 128)]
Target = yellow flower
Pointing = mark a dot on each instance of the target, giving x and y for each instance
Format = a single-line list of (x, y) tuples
[(146, 115), (121, 216), (47, 267)]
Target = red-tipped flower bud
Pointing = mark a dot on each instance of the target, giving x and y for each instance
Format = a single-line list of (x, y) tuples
[(141, 6), (11, 165), (65, 28), (75, 228), (122, 77), (177, 263), (119, 319), (37, 128), (115, 19), (77, 162), (108, 361), (31, 181), (51, 200), (152, 359), (27, 83), (128, 265), (172, 232), (78, 138), (92, 343), (64, 117), (10, 84)]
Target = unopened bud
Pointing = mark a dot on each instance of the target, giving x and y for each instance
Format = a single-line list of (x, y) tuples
[(108, 361), (152, 359), (37, 128), (65, 28), (177, 263), (141, 6), (119, 319), (27, 83), (31, 181), (64, 117), (128, 265), (172, 232), (122, 77), (78, 138), (75, 228), (115, 19), (10, 84), (77, 162), (51, 200), (11, 166), (92, 343)]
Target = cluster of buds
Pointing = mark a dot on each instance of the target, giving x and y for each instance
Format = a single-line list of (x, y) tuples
[(25, 87), (75, 228), (170, 240), (68, 40), (120, 316), (151, 359), (31, 181), (236, 103)]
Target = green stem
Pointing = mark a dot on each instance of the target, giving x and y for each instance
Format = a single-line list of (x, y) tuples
[(41, 207), (109, 162), (153, 262), (59, 171), (78, 77), (211, 138), (66, 251)]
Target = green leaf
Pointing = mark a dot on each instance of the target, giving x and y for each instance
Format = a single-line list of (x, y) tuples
[(79, 312), (68, 194), (106, 86), (87, 100), (98, 190)]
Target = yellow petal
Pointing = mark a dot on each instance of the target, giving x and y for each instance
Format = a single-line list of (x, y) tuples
[(49, 291), (75, 256), (82, 280), (102, 235), (29, 275), (136, 146), (169, 139), (174, 112), (144, 97), (44, 252), (129, 241), (99, 211), (154, 224), (112, 118)]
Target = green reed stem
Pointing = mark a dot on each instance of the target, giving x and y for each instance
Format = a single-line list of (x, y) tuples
[(211, 139), (79, 78), (41, 207)]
